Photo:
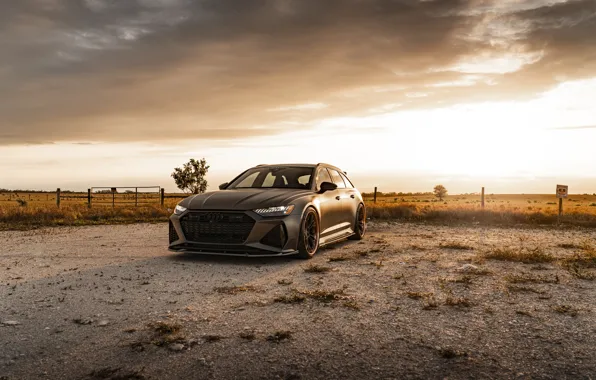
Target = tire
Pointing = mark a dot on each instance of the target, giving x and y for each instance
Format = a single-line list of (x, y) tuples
[(308, 239), (359, 224)]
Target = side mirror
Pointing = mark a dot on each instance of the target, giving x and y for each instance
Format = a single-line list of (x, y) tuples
[(223, 185), (328, 186)]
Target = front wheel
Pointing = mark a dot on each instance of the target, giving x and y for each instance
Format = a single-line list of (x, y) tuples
[(308, 241), (360, 224)]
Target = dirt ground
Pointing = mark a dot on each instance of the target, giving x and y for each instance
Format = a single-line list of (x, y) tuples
[(409, 301)]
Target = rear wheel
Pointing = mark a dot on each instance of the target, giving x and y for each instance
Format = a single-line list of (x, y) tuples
[(360, 224), (308, 241)]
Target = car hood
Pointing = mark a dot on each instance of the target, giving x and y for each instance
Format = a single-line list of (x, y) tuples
[(245, 199)]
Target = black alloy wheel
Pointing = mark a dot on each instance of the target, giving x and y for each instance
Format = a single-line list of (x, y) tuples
[(360, 224), (309, 235)]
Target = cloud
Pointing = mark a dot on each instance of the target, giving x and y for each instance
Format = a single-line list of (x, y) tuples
[(148, 70)]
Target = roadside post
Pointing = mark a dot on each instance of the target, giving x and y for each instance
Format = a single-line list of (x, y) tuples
[(562, 192), (483, 197), (58, 197), (89, 198), (114, 190), (375, 196)]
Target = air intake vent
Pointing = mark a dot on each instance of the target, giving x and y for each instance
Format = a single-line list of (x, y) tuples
[(277, 237), (173, 234)]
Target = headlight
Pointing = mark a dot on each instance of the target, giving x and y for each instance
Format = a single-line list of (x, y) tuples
[(275, 211), (179, 210)]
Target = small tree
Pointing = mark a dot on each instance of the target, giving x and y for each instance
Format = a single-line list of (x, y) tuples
[(191, 177), (440, 191)]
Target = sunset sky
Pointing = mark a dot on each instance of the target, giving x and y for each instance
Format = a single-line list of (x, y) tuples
[(401, 94)]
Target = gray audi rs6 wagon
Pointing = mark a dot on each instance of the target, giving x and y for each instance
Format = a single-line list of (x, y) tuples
[(271, 210)]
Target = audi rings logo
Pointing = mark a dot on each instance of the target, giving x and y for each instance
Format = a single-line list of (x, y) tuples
[(213, 217)]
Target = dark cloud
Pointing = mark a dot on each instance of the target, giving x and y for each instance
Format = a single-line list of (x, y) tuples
[(150, 70)]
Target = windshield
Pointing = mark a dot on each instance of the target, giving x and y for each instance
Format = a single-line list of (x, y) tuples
[(274, 177)]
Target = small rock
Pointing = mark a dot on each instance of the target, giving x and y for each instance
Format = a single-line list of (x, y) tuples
[(103, 323), (11, 323), (176, 347)]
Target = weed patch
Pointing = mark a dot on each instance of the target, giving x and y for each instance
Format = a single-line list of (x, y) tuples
[(313, 268), (324, 295), (279, 336), (418, 295), (566, 309), (522, 255), (457, 301), (235, 289), (291, 299), (527, 278), (455, 245)]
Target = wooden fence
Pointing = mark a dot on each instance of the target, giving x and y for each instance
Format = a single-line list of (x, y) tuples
[(95, 196)]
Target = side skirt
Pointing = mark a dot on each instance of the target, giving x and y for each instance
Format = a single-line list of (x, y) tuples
[(338, 236)]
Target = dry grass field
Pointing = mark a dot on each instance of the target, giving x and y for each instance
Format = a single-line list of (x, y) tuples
[(32, 210)]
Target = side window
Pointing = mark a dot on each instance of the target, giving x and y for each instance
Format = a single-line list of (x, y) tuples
[(349, 183), (337, 179), (322, 176), (304, 179)]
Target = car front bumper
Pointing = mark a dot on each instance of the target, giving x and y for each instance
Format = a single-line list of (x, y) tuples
[(233, 233)]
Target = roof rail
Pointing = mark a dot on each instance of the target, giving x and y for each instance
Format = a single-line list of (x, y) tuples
[(261, 165)]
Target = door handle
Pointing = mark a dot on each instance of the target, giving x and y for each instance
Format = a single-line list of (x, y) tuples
[(338, 198), (352, 196)]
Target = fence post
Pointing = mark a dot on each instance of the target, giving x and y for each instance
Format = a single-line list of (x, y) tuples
[(58, 197), (136, 197), (483, 197), (375, 196), (162, 196), (89, 198)]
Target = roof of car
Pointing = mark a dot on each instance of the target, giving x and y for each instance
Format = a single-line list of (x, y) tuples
[(304, 165)]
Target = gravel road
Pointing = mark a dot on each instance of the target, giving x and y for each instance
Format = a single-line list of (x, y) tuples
[(410, 301)]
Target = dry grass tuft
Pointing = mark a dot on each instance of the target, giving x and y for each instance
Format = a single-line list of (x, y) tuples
[(457, 301), (291, 299), (235, 289), (522, 289), (581, 262), (313, 268), (566, 309), (164, 328), (338, 258), (527, 278), (324, 295), (455, 245), (419, 295), (522, 255), (248, 335), (279, 336), (212, 338), (351, 305)]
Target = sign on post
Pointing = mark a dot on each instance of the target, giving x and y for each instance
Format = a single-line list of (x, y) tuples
[(562, 191)]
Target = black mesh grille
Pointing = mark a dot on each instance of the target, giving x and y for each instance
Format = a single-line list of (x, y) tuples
[(217, 227), (173, 233)]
